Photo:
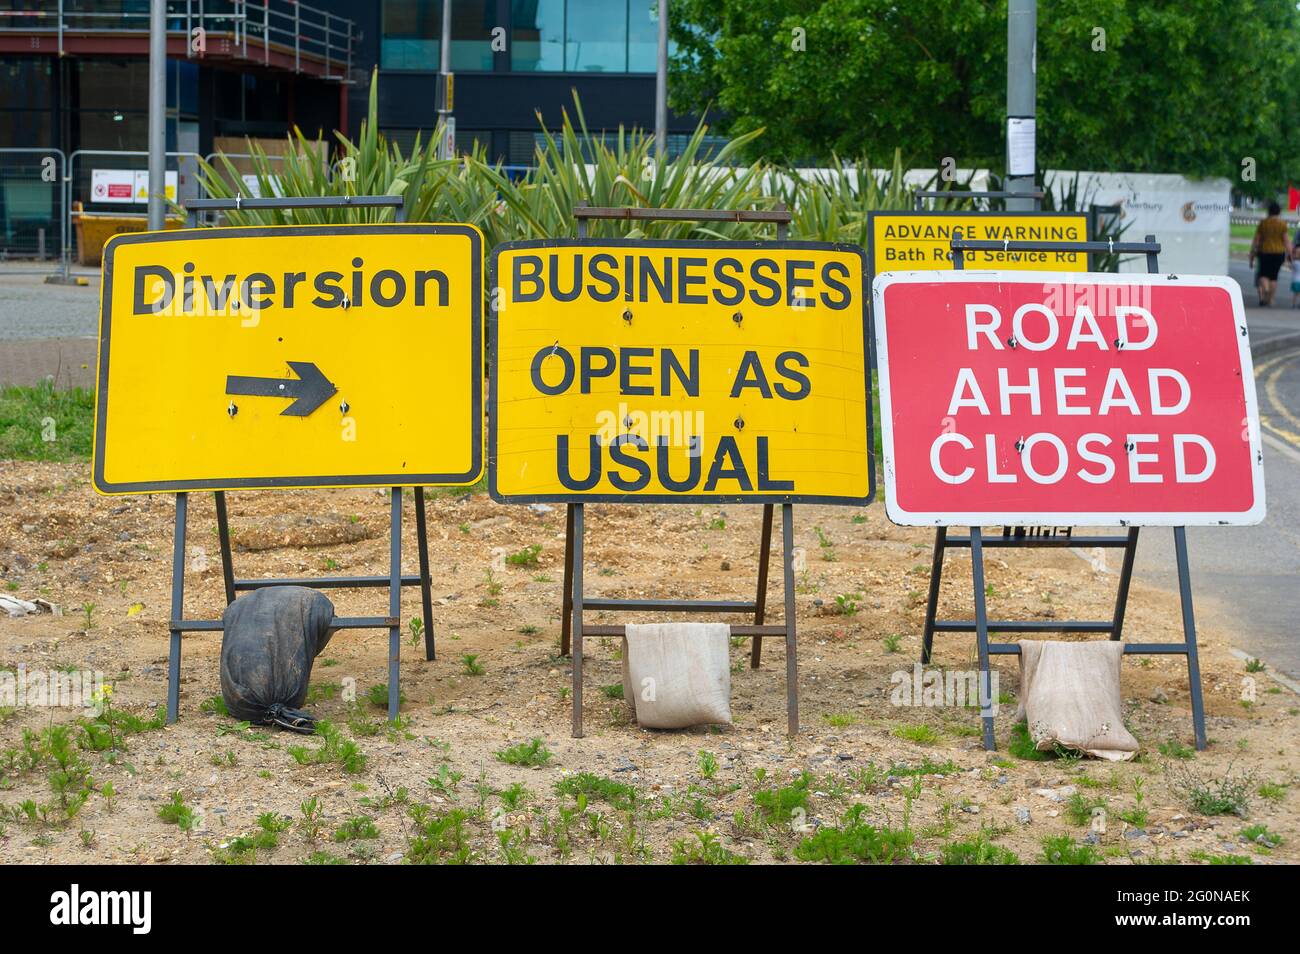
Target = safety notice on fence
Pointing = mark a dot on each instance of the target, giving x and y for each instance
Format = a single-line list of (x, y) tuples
[(294, 356), (679, 371), (1092, 400)]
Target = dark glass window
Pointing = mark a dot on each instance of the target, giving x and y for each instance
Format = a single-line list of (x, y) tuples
[(113, 84), (412, 35), (28, 82), (584, 36), (643, 36), (537, 40), (112, 98), (595, 36)]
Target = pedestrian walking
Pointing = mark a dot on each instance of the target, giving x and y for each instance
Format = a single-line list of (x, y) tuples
[(1271, 246)]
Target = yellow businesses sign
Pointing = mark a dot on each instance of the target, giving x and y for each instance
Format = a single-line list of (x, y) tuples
[(296, 356), (909, 241), (678, 371)]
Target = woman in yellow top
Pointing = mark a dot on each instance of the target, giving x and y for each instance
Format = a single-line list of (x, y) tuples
[(1272, 246)]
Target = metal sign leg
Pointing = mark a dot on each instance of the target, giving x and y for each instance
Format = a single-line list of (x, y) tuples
[(1125, 577), (576, 596), (426, 582), (395, 604), (1189, 635), (982, 635), (223, 536), (791, 640), (566, 609), (760, 601), (932, 604), (178, 609)]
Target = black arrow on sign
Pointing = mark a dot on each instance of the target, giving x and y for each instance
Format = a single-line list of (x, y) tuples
[(310, 390)]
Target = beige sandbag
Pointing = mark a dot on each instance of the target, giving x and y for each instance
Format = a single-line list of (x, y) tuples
[(1069, 696), (677, 674)]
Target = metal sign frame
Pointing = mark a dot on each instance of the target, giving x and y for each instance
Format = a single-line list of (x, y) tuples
[(1049, 537), (921, 195), (177, 623), (575, 600)]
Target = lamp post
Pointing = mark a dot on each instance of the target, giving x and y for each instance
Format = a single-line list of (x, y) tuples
[(1022, 113), (157, 115)]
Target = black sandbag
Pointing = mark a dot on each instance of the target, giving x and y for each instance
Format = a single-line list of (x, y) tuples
[(272, 637)]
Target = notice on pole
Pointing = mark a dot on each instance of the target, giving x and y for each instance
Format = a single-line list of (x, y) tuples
[(1081, 400), (1021, 142)]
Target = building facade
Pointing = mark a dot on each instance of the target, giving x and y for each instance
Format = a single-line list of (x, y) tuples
[(75, 74), (514, 60)]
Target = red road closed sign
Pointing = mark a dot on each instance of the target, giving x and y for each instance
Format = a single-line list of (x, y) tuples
[(1066, 399)]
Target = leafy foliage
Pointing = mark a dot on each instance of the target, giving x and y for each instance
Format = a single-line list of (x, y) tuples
[(1148, 94)]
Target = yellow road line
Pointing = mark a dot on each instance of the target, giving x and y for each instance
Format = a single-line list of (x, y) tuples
[(1275, 398), (1267, 375)]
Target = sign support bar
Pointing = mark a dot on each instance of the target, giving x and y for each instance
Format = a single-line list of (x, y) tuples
[(178, 624), (572, 629), (1019, 537), (919, 197)]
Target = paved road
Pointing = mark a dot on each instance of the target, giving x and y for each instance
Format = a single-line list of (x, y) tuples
[(1266, 324), (1251, 575), (47, 330)]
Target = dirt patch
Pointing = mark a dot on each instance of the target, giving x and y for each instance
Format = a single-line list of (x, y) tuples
[(498, 682)]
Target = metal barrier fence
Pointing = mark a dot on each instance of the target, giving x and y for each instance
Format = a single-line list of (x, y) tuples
[(34, 194), (140, 159), (31, 195)]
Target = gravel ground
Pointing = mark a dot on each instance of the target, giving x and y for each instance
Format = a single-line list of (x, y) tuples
[(498, 682)]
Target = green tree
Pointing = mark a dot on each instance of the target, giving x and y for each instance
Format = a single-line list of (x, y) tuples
[(1151, 86)]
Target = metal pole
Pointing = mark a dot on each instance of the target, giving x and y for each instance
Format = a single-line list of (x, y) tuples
[(986, 699), (661, 82), (577, 620), (395, 604), (157, 114), (566, 609), (446, 148), (426, 581), (760, 599), (1022, 34), (791, 639), (178, 609), (1189, 635), (1125, 578), (932, 601), (223, 538)]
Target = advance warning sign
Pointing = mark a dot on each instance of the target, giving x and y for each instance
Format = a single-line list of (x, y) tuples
[(1092, 400), (293, 356), (679, 371), (921, 240)]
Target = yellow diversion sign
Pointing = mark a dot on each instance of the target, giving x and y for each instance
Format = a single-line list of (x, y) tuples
[(679, 371), (910, 241), (296, 356)]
